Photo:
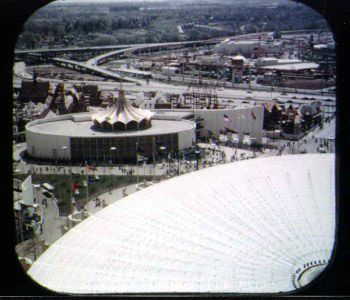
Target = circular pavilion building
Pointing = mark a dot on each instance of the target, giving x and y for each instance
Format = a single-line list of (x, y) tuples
[(116, 134)]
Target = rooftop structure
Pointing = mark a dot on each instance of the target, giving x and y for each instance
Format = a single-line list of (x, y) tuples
[(264, 225), (248, 47), (122, 116), (292, 67)]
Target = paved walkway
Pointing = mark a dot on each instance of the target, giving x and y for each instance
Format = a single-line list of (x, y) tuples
[(110, 197), (51, 229), (317, 138)]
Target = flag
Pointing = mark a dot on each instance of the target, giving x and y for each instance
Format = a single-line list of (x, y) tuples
[(226, 118), (230, 130), (253, 115), (75, 186)]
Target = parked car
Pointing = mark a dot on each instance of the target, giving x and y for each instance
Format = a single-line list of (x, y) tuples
[(47, 194), (322, 150)]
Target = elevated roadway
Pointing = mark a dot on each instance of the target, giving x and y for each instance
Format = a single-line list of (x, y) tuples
[(91, 69)]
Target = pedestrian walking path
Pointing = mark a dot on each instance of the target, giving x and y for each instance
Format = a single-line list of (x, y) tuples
[(317, 139), (108, 198)]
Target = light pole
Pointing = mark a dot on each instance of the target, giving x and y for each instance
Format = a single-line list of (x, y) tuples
[(113, 149), (137, 163), (64, 148), (162, 149), (33, 225), (197, 152), (251, 142), (154, 156)]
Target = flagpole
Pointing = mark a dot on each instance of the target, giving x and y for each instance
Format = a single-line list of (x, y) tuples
[(87, 188), (70, 181), (154, 157), (137, 164)]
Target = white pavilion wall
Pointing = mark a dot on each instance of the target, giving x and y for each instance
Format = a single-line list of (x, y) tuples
[(47, 146), (241, 120), (186, 138)]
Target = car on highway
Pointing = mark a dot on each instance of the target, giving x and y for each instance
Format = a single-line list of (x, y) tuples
[(305, 98), (245, 101), (328, 100), (284, 94), (248, 98), (294, 97), (249, 92)]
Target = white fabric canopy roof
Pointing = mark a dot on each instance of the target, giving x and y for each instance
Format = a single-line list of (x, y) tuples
[(247, 227), (122, 112)]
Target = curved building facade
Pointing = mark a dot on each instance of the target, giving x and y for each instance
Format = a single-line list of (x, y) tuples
[(74, 137), (263, 225)]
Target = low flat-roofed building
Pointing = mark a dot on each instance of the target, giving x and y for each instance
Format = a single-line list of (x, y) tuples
[(293, 67)]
